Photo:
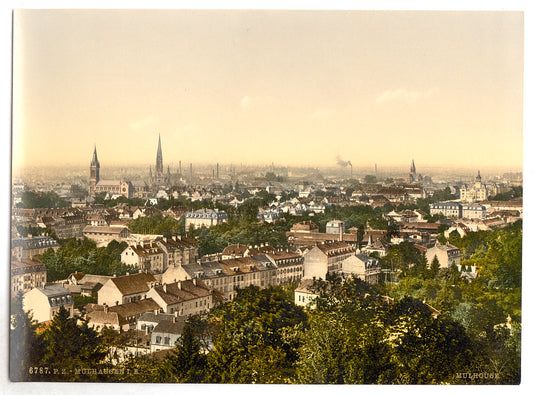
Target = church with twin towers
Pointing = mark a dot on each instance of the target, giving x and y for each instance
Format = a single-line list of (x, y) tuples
[(126, 188)]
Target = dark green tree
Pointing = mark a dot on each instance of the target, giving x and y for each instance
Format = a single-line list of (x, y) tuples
[(25, 346), (70, 346)]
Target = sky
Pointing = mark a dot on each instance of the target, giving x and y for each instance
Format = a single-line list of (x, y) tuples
[(289, 87)]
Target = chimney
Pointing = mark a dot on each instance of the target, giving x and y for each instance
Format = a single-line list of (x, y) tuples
[(165, 288), (106, 309), (195, 281), (179, 285), (156, 312), (146, 330)]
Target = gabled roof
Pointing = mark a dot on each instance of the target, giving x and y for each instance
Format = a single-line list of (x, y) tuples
[(175, 328), (238, 265), (182, 291), (135, 308), (103, 317), (133, 283)]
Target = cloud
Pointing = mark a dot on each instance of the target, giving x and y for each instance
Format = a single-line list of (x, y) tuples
[(145, 124), (403, 95)]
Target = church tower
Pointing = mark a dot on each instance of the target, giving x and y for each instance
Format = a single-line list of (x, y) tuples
[(95, 174), (159, 159), (412, 174), (159, 178)]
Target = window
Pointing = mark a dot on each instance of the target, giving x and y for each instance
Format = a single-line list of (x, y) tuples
[(158, 339), (167, 340)]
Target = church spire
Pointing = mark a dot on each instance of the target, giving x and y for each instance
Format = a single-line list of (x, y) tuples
[(94, 162), (159, 158)]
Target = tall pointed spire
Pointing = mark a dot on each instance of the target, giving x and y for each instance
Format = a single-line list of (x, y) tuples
[(94, 162), (159, 158)]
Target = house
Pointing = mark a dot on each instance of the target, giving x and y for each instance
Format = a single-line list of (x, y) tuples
[(361, 266), (148, 321), (103, 235), (205, 217), (99, 319), (85, 284), (241, 251), (325, 258), (378, 245), (306, 234), (44, 302), (177, 251), (335, 227), (124, 289), (97, 219), (474, 211), (305, 294), (26, 274), (448, 209), (166, 334), (446, 254), (28, 247), (187, 297), (289, 266), (145, 256), (243, 272)]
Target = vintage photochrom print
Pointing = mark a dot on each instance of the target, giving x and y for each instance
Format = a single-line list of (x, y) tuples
[(266, 196)]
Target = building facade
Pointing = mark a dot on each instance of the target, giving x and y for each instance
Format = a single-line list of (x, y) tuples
[(205, 217), (27, 274), (45, 302), (128, 189)]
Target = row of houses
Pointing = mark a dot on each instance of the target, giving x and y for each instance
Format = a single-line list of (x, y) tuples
[(479, 211)]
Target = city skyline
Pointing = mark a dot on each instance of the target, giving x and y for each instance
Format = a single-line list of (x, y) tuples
[(290, 87)]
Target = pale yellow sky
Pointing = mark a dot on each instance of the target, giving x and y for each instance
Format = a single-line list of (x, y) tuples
[(292, 87)]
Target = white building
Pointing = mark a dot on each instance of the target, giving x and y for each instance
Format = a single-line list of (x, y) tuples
[(205, 217), (447, 255), (44, 302)]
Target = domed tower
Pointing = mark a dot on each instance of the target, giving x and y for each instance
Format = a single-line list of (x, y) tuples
[(95, 174)]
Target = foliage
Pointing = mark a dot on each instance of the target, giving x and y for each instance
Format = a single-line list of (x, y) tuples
[(82, 255), (25, 348), (256, 342), (363, 341), (61, 351), (31, 199), (514, 193), (157, 224)]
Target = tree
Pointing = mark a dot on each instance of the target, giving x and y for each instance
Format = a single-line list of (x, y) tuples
[(255, 342), (70, 346), (434, 268), (188, 362), (25, 346)]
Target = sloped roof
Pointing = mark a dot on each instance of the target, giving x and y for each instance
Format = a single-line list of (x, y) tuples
[(175, 328), (106, 318), (133, 283), (135, 308), (182, 291)]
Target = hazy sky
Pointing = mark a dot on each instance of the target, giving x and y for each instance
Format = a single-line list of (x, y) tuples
[(298, 87)]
